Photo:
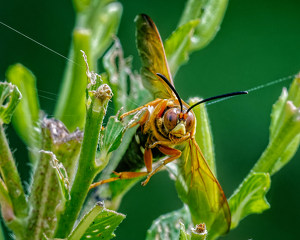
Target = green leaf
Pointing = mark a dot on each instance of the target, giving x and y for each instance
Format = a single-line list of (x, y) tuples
[(277, 153), (198, 25), (104, 23), (99, 223), (81, 5), (117, 68), (168, 226), (249, 198), (211, 13), (294, 92), (113, 134), (287, 155), (26, 116), (70, 108), (276, 114), (9, 99), (110, 140), (177, 46), (183, 235), (192, 10), (281, 112)]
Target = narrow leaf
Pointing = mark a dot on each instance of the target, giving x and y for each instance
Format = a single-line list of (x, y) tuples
[(276, 114), (183, 235), (249, 198), (110, 140), (211, 15), (9, 99), (112, 135), (287, 155), (99, 223), (192, 10), (70, 108), (294, 93), (168, 226), (26, 116), (81, 5), (104, 24), (177, 46), (277, 153)]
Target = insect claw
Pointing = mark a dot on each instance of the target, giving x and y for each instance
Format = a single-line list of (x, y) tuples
[(116, 173), (145, 182)]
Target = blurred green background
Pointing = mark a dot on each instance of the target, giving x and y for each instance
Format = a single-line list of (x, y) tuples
[(259, 41)]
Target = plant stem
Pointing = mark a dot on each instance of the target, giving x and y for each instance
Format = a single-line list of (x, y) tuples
[(43, 195), (87, 168), (11, 177)]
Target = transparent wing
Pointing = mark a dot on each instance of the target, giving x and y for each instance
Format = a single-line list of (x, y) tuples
[(152, 53), (201, 191)]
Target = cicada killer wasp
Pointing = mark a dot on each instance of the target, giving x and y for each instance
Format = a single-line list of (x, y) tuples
[(167, 123)]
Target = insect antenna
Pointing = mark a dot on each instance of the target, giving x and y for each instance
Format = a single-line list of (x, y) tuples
[(172, 88), (217, 97)]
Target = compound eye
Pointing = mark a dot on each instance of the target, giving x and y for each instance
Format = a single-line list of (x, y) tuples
[(189, 122), (170, 118)]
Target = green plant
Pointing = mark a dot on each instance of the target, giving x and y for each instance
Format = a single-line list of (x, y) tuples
[(55, 152)]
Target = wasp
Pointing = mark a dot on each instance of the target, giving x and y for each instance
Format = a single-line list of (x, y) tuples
[(168, 123)]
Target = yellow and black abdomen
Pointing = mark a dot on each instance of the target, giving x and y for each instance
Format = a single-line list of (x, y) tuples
[(133, 158)]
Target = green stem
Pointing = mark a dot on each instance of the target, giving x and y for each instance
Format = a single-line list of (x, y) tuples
[(11, 177), (46, 197), (6, 205), (42, 200), (1, 234), (87, 168)]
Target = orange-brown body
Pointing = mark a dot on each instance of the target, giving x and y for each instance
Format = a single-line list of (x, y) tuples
[(167, 123), (165, 127)]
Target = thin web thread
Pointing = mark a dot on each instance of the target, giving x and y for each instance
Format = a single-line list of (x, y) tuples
[(207, 104), (42, 45), (258, 87)]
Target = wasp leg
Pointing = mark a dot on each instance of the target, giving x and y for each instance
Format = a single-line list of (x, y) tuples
[(140, 108), (142, 120), (172, 152), (148, 159), (121, 175), (129, 175)]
